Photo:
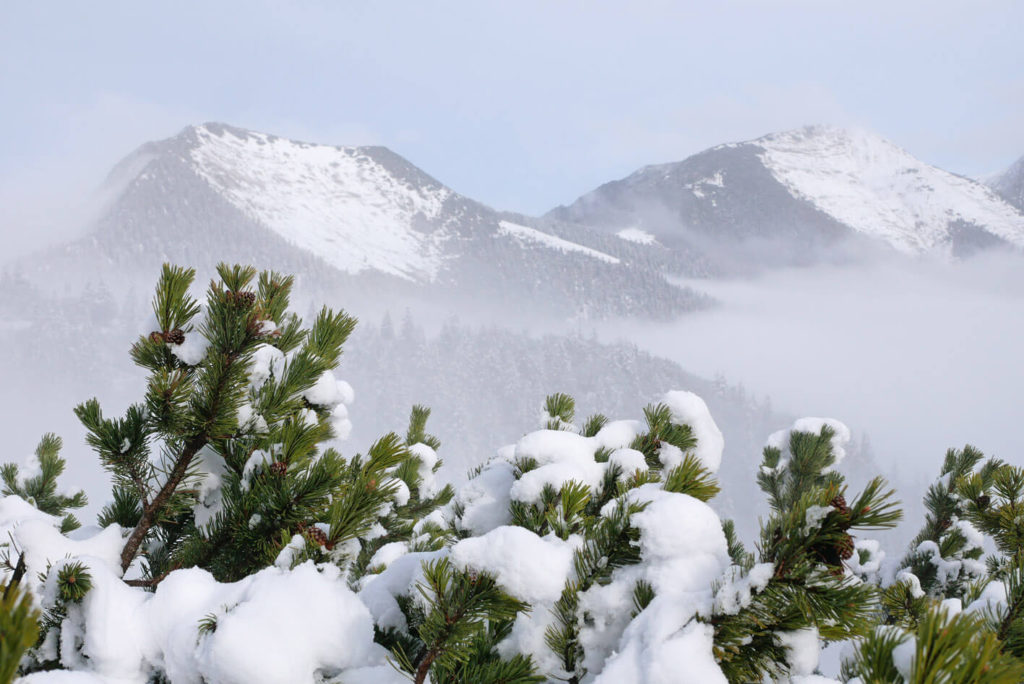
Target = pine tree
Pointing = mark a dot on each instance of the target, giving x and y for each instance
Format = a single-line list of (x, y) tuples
[(799, 581), (925, 636), (945, 556), (41, 490), (220, 466), (406, 521)]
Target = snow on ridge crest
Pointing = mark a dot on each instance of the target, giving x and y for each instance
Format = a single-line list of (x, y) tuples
[(532, 235), (337, 202), (879, 189)]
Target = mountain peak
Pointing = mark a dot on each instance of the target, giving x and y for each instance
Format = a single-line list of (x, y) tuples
[(354, 206), (803, 187)]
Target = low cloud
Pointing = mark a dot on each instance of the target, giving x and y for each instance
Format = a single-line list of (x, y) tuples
[(920, 358)]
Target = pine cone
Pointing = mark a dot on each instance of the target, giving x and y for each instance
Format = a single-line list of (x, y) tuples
[(845, 547), (983, 501), (278, 468), (944, 524), (176, 336), (242, 300), (316, 535), (839, 503)]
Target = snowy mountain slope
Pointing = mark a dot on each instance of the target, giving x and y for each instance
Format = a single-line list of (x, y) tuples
[(337, 202), (808, 189), (358, 220), (880, 190), (1010, 184), (532, 235)]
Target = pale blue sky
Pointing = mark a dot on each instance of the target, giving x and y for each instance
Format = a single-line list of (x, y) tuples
[(523, 105)]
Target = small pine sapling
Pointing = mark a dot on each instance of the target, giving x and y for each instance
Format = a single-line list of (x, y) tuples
[(40, 489)]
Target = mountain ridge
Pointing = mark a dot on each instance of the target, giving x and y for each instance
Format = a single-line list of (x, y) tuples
[(817, 185), (362, 220)]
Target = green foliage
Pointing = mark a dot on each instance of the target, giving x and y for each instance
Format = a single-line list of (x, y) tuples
[(808, 468), (261, 434), (562, 511), (804, 542), (593, 425), (73, 581), (610, 543), (739, 555), (405, 522), (19, 628), (41, 490), (484, 665), (1007, 623), (661, 429), (417, 432), (691, 477), (904, 604), (560, 410), (942, 648), (943, 532), (453, 630), (643, 594)]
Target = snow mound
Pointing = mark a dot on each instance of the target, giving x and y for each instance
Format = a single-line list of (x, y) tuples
[(689, 409)]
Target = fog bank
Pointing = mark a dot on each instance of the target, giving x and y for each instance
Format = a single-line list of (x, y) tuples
[(920, 358)]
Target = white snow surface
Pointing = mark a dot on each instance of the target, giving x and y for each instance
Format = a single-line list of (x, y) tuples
[(486, 498), (337, 202), (532, 235), (684, 551), (38, 535), (562, 456), (802, 650), (637, 235), (527, 566), (880, 190), (274, 627), (689, 409)]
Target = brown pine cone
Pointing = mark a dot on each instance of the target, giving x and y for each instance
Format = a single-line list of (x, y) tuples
[(176, 336), (983, 501), (242, 300), (316, 535), (944, 524), (278, 468), (845, 547), (839, 503)]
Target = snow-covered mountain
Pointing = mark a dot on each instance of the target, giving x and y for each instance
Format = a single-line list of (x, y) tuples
[(808, 190), (1010, 184), (359, 220)]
